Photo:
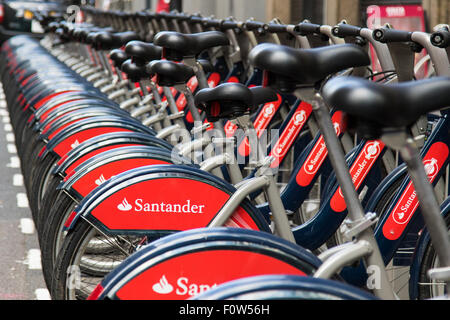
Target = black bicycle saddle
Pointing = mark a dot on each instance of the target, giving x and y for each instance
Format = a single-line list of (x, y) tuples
[(169, 73), (143, 52), (289, 67), (231, 100), (118, 56), (134, 72), (108, 40), (372, 106), (179, 45)]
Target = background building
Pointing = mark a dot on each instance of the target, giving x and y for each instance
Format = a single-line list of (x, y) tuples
[(290, 11)]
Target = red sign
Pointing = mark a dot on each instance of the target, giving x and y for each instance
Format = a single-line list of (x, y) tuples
[(152, 205), (358, 171), (408, 203), (190, 274), (318, 153), (192, 84), (96, 177), (75, 140), (290, 133), (401, 17), (89, 155)]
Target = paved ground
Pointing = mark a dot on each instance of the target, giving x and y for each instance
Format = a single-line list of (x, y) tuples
[(20, 265)]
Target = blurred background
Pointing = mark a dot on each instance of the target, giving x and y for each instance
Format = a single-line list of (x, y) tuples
[(405, 13)]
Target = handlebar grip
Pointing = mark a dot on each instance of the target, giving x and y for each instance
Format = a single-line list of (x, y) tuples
[(385, 35), (215, 23), (306, 28), (253, 25), (440, 38), (196, 19), (345, 30), (181, 16), (275, 28), (227, 24)]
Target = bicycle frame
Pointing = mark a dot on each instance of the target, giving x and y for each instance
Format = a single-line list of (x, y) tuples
[(391, 230)]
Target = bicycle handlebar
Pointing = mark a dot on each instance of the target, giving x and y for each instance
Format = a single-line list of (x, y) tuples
[(196, 19), (275, 28), (229, 24), (306, 28), (253, 25), (215, 23), (386, 35), (440, 38), (345, 30)]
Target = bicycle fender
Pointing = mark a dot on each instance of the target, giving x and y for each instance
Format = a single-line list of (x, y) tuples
[(98, 169), (184, 264), (60, 110), (105, 142), (284, 287), (52, 128), (82, 130), (142, 201)]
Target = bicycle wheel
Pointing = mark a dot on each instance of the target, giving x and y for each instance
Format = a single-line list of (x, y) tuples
[(53, 234), (272, 287), (191, 262), (430, 288), (48, 202), (79, 269)]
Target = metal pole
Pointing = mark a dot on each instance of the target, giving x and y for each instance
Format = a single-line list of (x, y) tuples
[(355, 210)]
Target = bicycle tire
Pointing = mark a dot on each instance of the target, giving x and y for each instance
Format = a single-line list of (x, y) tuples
[(50, 244), (428, 261)]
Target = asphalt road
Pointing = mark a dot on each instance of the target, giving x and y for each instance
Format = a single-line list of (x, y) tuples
[(20, 265)]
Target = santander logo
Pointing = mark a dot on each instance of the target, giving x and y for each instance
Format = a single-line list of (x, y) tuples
[(409, 202), (124, 205), (289, 134), (269, 109), (264, 117), (163, 286), (230, 128), (363, 163), (407, 205), (319, 153), (299, 117), (75, 144), (315, 158), (100, 180), (140, 206), (431, 167), (183, 287), (372, 150)]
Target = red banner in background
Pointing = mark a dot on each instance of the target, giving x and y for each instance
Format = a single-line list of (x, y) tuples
[(401, 17), (163, 6)]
